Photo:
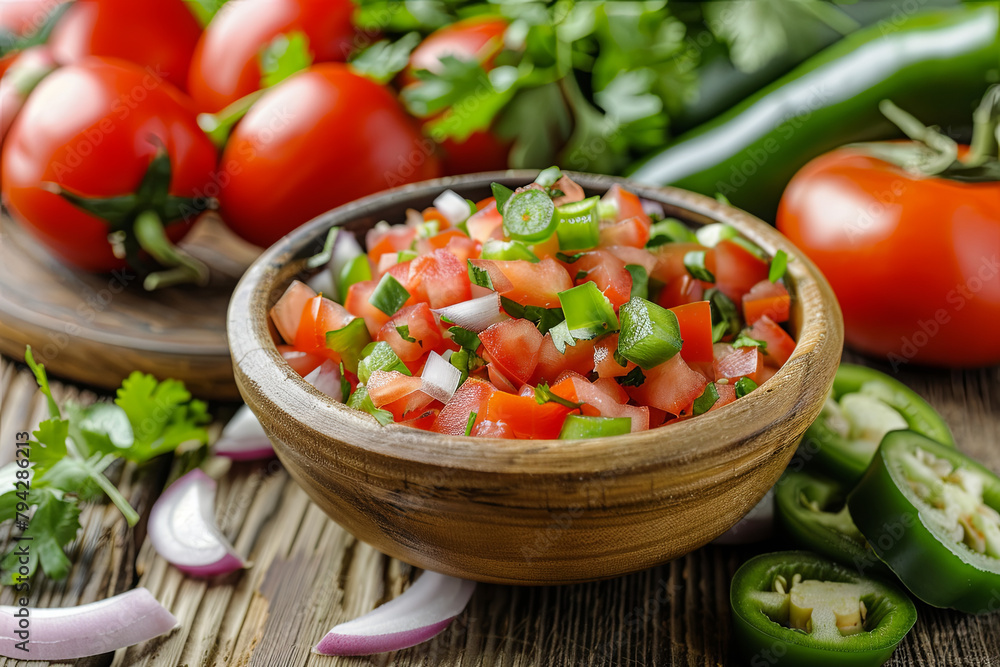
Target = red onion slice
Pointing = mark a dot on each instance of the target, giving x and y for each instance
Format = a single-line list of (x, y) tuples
[(477, 314), (182, 528), (757, 525), (439, 379), (243, 438), (67, 633), (422, 611), (453, 207), (326, 378)]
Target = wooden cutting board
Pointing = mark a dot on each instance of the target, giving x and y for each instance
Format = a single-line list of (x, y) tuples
[(97, 328)]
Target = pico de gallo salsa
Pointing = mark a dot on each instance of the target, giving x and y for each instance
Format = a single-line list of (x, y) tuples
[(538, 312)]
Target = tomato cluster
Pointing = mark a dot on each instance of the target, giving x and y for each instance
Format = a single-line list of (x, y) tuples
[(130, 81)]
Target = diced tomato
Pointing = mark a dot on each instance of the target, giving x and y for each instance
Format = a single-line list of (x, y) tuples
[(742, 362), (483, 203), (470, 397), (657, 417), (736, 269), (779, 344), (525, 417), (409, 405), (439, 241), (633, 232), (766, 298), (423, 335), (607, 272), (385, 387), (382, 241), (605, 363), (301, 362), (431, 214), (638, 256), (484, 222), (670, 260), (727, 394), (551, 362), (681, 290), (695, 321), (357, 304), (493, 429), (766, 373), (513, 345), (440, 279), (424, 421), (671, 386), (626, 203), (548, 248), (528, 283), (610, 387), (320, 315), (597, 403), (464, 248), (500, 380), (287, 312)]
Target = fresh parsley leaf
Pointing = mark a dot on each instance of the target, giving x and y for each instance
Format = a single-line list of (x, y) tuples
[(467, 340), (544, 318), (502, 194), (285, 55), (640, 280), (163, 415), (345, 384), (746, 341), (479, 276), (53, 525), (633, 378), (42, 380), (561, 337), (404, 333), (744, 386), (543, 394), (708, 398), (384, 59)]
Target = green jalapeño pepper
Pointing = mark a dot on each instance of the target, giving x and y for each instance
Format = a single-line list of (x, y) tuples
[(865, 405), (796, 608), (931, 513), (812, 511)]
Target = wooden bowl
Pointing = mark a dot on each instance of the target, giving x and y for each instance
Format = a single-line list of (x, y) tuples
[(532, 511)]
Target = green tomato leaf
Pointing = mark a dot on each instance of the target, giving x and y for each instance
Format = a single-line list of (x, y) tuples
[(384, 59), (285, 55)]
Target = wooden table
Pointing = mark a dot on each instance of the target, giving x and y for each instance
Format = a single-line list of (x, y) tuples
[(309, 574)]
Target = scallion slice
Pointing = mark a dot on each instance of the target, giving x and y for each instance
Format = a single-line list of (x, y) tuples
[(650, 334), (349, 341), (577, 427), (548, 177), (389, 295), (529, 216), (578, 224), (588, 312), (708, 398), (694, 262), (507, 250)]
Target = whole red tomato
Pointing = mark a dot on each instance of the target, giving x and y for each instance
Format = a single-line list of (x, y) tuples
[(466, 39), (18, 78), (158, 34), (322, 138), (226, 63), (93, 129), (915, 262)]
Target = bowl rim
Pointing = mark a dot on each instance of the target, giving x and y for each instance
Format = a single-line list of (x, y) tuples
[(821, 327)]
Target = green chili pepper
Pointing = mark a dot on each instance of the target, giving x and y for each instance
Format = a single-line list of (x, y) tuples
[(812, 511), (750, 152), (581, 426), (587, 311), (389, 295), (650, 334), (529, 216), (864, 406), (794, 608), (507, 250), (933, 515), (578, 224)]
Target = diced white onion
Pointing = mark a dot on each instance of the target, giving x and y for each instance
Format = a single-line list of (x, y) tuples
[(453, 207), (326, 378), (477, 314), (439, 378)]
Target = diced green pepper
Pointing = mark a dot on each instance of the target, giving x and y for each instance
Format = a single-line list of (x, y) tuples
[(389, 295), (379, 357), (795, 608), (360, 400), (578, 224), (349, 341), (670, 230), (354, 271), (587, 311), (650, 334), (507, 250), (577, 427)]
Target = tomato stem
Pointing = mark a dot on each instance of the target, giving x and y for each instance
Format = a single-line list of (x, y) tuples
[(183, 268), (218, 125), (986, 129), (943, 149)]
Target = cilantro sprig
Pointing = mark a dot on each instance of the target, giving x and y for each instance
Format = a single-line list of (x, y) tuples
[(71, 451)]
